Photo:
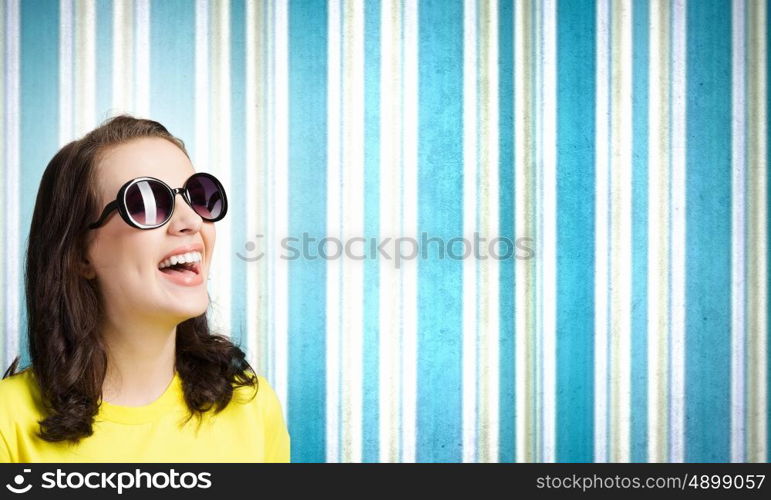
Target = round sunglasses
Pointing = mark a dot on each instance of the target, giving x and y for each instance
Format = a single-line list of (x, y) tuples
[(148, 203)]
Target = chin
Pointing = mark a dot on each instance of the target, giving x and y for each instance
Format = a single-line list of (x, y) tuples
[(181, 316), (187, 311), (192, 312)]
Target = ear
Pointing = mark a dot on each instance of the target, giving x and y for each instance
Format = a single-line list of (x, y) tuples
[(86, 270)]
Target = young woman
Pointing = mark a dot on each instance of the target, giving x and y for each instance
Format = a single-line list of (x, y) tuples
[(123, 365)]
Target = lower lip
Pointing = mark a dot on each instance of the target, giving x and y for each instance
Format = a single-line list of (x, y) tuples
[(183, 278)]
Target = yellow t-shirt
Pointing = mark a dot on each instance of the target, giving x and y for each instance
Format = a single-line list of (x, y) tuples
[(245, 431)]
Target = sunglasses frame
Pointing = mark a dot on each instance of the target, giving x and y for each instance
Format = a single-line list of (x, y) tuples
[(119, 202)]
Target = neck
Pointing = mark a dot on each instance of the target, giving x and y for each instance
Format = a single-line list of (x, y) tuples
[(140, 361)]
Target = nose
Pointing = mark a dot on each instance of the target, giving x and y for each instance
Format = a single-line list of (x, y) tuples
[(184, 219)]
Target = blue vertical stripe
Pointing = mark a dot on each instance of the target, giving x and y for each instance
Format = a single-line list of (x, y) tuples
[(440, 209), (639, 400), (307, 213), (708, 223), (103, 48), (39, 134), (370, 435), (239, 307), (172, 55), (576, 34), (506, 230)]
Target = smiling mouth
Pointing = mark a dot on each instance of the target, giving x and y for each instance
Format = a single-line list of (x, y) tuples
[(193, 268), (180, 268)]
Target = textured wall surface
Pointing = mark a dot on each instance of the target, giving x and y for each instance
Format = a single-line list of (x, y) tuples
[(626, 139)]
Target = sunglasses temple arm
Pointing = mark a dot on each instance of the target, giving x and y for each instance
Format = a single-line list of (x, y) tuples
[(105, 213)]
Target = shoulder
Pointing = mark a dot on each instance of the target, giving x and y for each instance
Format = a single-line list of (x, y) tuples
[(261, 397), (19, 398), (263, 414), (20, 388), (269, 397)]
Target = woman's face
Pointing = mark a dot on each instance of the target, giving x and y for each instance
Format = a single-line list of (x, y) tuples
[(125, 260)]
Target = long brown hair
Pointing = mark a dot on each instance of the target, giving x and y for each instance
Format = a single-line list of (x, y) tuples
[(68, 356)]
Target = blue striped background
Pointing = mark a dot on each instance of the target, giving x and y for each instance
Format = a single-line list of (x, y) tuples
[(281, 315)]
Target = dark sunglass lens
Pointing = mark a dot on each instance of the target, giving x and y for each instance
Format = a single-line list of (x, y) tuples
[(206, 196), (148, 202)]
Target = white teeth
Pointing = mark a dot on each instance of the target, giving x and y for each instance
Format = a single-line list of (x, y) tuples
[(181, 259)]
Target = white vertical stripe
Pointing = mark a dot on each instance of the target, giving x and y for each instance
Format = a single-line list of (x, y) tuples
[(761, 370), (66, 59), (738, 238), (3, 125), (215, 164), (601, 239), (85, 63), (123, 57), (521, 416), (410, 227), (491, 339), (493, 349), (334, 267), (389, 375), (658, 234), (271, 207), (142, 59), (621, 230), (536, 216), (759, 410), (254, 193), (281, 204), (549, 207), (677, 402), (470, 292), (205, 114), (219, 161), (11, 161), (200, 151), (353, 207), (626, 231)]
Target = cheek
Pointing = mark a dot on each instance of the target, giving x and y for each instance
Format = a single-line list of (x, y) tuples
[(103, 251), (209, 235), (122, 251)]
